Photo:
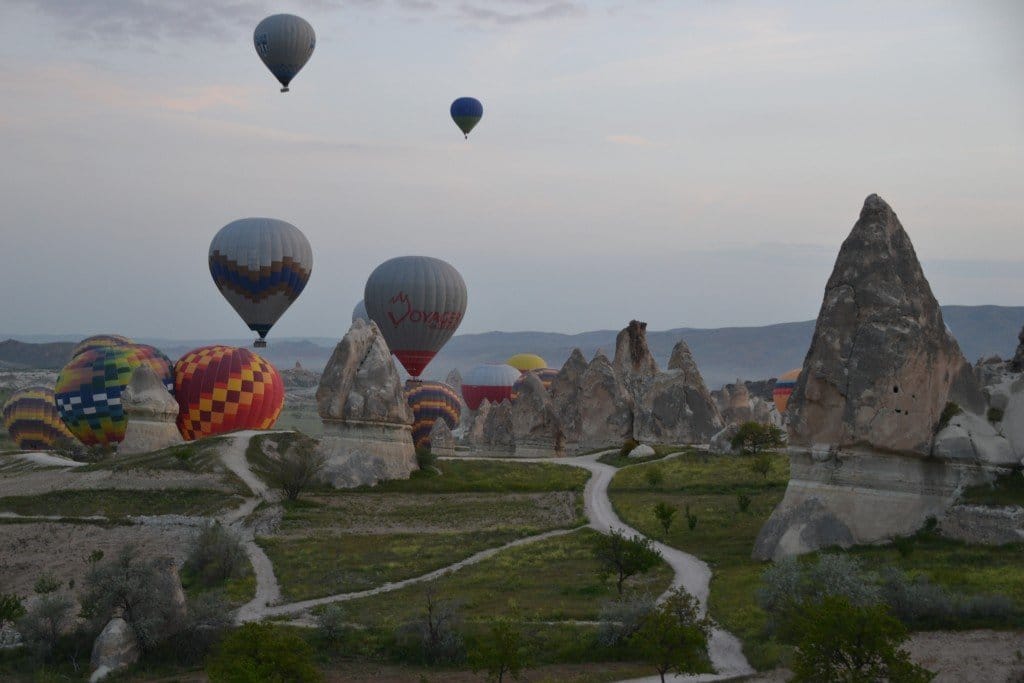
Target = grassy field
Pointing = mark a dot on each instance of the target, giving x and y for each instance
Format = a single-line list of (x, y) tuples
[(551, 580), (724, 537), (119, 502), (325, 564), (193, 456), (486, 476), (616, 459), (1006, 490)]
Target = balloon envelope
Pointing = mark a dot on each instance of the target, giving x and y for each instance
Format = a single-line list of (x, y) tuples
[(545, 375), (98, 341), (527, 361), (466, 113), (260, 265), (430, 402), (784, 388), (491, 381), (88, 390), (31, 418), (285, 43), (418, 303), (222, 389)]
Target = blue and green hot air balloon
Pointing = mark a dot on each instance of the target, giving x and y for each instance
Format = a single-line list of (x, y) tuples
[(466, 113)]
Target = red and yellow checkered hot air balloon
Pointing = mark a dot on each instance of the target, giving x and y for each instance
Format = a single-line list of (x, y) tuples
[(31, 418), (223, 389), (783, 388)]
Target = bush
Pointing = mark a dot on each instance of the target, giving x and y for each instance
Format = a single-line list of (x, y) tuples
[(44, 622), (743, 502), (948, 413), (436, 633), (919, 603), (664, 513), (623, 557), (297, 467), (762, 464), (995, 415), (46, 583), (620, 619), (502, 650), (11, 609), (627, 447), (673, 637), (140, 590), (208, 619), (654, 476), (216, 555), (425, 458), (752, 437), (332, 623), (262, 652), (691, 519)]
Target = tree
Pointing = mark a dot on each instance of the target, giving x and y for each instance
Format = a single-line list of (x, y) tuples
[(664, 512), (45, 621), (216, 555), (752, 437), (623, 557), (262, 652), (11, 609), (297, 467), (839, 641), (439, 636), (674, 637), (503, 650)]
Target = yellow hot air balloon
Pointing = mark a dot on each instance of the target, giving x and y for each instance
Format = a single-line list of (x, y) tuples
[(524, 362)]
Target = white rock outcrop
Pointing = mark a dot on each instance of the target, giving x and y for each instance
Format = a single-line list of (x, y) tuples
[(152, 413)]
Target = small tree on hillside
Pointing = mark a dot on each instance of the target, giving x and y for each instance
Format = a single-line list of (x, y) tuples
[(664, 513), (623, 557), (262, 652), (216, 555), (503, 650), (298, 467), (674, 637), (11, 609), (753, 437)]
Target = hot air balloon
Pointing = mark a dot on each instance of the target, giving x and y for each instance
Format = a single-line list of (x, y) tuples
[(527, 361), (545, 375), (418, 303), (222, 389), (98, 341), (359, 312), (285, 43), (260, 265), (783, 388), (492, 381), (31, 418), (88, 391), (430, 402), (466, 113)]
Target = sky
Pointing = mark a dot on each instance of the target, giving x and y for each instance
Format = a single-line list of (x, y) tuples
[(690, 164)]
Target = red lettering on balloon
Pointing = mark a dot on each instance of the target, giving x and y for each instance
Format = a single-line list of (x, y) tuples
[(435, 320)]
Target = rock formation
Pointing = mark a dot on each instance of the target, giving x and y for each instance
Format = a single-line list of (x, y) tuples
[(114, 649), (675, 406), (633, 357), (535, 426), (151, 412), (881, 371), (738, 404), (367, 422), (605, 408), (565, 391), (299, 377), (442, 443), (473, 422), (454, 380), (496, 432), (1017, 364)]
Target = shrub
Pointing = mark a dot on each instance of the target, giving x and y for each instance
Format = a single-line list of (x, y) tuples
[(752, 437), (995, 415), (743, 502), (44, 622), (208, 619), (11, 609), (436, 632), (216, 555), (425, 458), (502, 650), (762, 465), (262, 652), (664, 513), (691, 519), (46, 583), (297, 467), (623, 557), (620, 619), (948, 413), (332, 623), (674, 637), (654, 476), (920, 603)]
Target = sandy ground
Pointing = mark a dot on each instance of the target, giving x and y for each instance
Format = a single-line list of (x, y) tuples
[(33, 483), (991, 656)]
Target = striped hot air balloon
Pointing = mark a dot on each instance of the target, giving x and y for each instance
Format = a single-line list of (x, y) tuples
[(223, 389), (784, 388), (99, 341), (430, 402), (545, 375), (493, 381), (260, 265), (417, 302), (527, 361), (32, 419), (88, 390), (284, 43)]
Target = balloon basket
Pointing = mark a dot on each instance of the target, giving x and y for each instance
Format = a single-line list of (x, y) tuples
[(260, 344), (285, 89)]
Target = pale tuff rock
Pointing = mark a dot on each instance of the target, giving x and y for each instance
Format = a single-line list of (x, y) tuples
[(1017, 364), (642, 451), (299, 378), (497, 428), (454, 380), (151, 412), (473, 421), (722, 441), (535, 427), (367, 422), (114, 649), (633, 357), (605, 406), (565, 393), (675, 406), (442, 443), (800, 529)]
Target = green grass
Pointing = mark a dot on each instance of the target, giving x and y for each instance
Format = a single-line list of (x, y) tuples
[(660, 451), (487, 476), (1005, 490), (551, 580), (697, 472), (326, 564), (193, 456), (114, 503)]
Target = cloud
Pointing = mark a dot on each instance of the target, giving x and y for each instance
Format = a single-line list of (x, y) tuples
[(513, 12), (632, 140)]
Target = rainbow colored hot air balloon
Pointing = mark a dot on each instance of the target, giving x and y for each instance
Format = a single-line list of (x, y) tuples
[(32, 419), (783, 388), (99, 341), (417, 302), (223, 389), (545, 375), (88, 391), (491, 381), (527, 361), (430, 402)]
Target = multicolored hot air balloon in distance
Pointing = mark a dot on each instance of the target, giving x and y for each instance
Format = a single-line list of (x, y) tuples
[(466, 113), (88, 391), (285, 43), (359, 312), (783, 388), (31, 418), (430, 402), (98, 341), (223, 389), (545, 375), (418, 303), (493, 381), (260, 265), (527, 361)]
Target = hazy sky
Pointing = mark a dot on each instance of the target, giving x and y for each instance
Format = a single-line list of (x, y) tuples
[(688, 163)]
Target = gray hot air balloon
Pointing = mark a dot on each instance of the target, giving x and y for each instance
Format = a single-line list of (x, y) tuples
[(260, 265), (359, 312), (418, 302), (284, 42)]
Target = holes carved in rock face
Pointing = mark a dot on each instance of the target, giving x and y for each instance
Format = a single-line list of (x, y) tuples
[(895, 390)]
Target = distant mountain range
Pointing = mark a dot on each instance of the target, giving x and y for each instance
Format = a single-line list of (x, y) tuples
[(724, 354)]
